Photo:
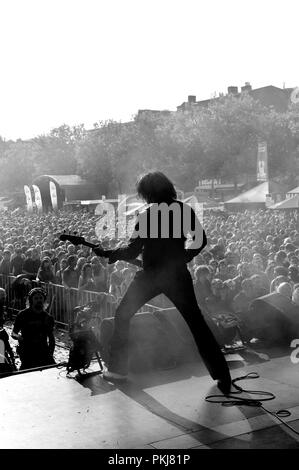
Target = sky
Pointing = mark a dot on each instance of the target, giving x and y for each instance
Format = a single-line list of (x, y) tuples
[(83, 61)]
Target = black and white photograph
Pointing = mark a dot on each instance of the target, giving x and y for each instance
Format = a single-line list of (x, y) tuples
[(149, 232)]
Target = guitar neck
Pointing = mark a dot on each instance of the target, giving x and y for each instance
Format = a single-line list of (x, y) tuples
[(90, 245), (136, 262)]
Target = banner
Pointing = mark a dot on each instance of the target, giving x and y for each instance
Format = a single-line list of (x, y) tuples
[(53, 194), (38, 198), (262, 162), (28, 198)]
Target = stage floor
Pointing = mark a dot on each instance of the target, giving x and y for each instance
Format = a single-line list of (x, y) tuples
[(160, 410)]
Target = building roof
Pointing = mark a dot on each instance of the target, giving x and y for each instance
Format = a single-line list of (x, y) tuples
[(269, 95)]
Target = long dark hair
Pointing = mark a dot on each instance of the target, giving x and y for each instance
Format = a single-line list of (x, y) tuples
[(155, 187), (84, 269), (43, 262)]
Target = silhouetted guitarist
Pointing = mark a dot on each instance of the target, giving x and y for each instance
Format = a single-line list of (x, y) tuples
[(160, 235)]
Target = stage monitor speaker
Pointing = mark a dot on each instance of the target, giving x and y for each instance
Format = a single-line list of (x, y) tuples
[(274, 319), (179, 333), (150, 345)]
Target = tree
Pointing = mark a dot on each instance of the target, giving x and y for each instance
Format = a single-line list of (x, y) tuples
[(230, 133), (17, 165), (179, 148), (218, 141), (113, 154), (93, 162), (57, 150)]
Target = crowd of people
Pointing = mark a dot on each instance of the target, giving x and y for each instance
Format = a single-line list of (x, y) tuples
[(30, 248), (249, 254)]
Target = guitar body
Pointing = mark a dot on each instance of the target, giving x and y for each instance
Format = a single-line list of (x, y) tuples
[(78, 240)]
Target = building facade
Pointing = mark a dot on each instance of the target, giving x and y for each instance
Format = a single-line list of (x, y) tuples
[(269, 95)]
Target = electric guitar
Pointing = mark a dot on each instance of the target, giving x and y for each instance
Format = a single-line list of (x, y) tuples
[(78, 240)]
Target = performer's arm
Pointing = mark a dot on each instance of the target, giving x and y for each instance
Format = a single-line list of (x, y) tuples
[(127, 253), (198, 236)]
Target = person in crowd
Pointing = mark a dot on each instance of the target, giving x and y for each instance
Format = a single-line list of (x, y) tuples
[(257, 262), (222, 271), (217, 251), (213, 264), (86, 279), (17, 262), (80, 263), (245, 254), (127, 275), (33, 329), (293, 273), (218, 301), (5, 263), (60, 254), (46, 272), (232, 271), (207, 256), (289, 248), (270, 271), (293, 259), (115, 290), (2, 302), (232, 258), (279, 271), (230, 287), (242, 300), (281, 258), (62, 266), (276, 281), (202, 285), (7, 359), (295, 295), (70, 275), (116, 277), (264, 281), (32, 262), (100, 275), (243, 272), (20, 287), (285, 289), (71, 249)]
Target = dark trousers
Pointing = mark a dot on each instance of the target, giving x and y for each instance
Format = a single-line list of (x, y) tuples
[(177, 285)]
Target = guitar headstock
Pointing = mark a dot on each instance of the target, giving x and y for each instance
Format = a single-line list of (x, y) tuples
[(72, 237)]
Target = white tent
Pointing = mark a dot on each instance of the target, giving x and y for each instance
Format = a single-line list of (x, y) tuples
[(289, 203), (293, 192), (254, 195)]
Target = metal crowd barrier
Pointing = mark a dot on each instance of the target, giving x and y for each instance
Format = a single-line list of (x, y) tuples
[(62, 301)]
